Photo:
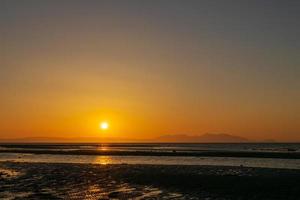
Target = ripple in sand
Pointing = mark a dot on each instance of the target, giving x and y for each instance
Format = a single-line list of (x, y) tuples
[(16, 195), (8, 173)]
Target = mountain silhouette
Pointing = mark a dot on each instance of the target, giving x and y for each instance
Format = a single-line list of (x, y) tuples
[(205, 138)]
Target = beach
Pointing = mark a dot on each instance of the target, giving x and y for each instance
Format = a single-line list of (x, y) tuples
[(123, 181)]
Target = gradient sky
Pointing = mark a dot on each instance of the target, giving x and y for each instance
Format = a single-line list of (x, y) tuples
[(150, 68)]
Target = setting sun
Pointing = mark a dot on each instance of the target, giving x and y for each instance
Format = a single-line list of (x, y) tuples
[(104, 125)]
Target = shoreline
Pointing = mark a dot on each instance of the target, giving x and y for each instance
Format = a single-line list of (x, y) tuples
[(237, 154)]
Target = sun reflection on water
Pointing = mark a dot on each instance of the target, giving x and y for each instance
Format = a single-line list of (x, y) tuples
[(103, 160), (103, 148)]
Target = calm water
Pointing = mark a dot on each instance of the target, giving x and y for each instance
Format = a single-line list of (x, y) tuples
[(166, 160), (252, 147)]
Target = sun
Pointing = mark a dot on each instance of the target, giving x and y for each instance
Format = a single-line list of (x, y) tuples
[(104, 125)]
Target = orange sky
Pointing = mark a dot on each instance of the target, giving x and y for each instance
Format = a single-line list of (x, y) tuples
[(148, 69)]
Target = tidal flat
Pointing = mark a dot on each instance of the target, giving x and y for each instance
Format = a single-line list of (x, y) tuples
[(94, 181)]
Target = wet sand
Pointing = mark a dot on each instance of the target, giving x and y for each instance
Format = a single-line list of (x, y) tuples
[(88, 181)]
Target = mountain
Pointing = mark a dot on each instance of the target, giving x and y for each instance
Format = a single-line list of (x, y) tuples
[(268, 141), (205, 138)]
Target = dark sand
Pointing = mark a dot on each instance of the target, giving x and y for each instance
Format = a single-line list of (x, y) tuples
[(88, 181)]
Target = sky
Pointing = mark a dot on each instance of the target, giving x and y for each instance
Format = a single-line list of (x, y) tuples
[(150, 68)]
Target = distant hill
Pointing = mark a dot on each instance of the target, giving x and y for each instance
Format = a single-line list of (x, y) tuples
[(268, 141), (205, 138)]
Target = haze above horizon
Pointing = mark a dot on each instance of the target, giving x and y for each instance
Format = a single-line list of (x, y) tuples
[(146, 69)]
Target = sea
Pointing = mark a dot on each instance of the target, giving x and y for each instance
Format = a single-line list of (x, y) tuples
[(48, 157)]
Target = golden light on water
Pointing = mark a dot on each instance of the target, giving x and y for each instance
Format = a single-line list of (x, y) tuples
[(103, 148), (103, 160)]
